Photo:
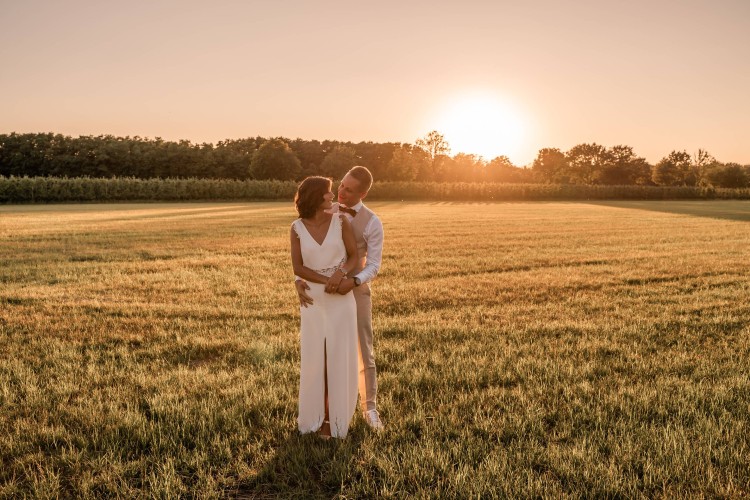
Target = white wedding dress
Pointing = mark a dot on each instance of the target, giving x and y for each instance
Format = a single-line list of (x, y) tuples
[(328, 327)]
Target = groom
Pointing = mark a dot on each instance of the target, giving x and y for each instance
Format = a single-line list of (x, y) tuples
[(368, 231)]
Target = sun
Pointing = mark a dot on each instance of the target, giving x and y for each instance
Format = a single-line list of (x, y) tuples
[(484, 124)]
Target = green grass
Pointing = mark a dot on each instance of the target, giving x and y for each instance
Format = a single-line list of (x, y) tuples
[(524, 349)]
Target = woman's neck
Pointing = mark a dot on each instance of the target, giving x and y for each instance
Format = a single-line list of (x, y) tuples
[(319, 217)]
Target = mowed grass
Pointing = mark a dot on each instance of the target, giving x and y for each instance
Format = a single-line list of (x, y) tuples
[(524, 349)]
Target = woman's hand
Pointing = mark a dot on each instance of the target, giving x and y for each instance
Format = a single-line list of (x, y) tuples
[(334, 281)]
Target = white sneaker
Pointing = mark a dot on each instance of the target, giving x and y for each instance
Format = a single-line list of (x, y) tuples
[(373, 420)]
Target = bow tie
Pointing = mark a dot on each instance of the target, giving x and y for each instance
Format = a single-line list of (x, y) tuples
[(347, 210)]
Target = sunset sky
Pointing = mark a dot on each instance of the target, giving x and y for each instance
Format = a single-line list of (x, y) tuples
[(496, 77)]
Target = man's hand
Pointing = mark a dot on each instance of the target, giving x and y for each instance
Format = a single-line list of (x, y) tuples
[(334, 281), (345, 286), (304, 299)]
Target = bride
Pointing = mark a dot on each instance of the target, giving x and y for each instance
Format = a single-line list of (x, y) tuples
[(323, 251)]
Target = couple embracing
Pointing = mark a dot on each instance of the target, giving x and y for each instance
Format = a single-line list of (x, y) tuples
[(336, 253)]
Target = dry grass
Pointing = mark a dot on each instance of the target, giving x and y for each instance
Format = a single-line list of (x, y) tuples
[(529, 349)]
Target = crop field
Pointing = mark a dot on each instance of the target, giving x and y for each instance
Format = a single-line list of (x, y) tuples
[(524, 349)]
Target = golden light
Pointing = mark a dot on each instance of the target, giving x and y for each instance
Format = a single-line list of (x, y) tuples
[(484, 124)]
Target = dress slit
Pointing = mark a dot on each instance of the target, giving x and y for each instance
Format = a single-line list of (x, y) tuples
[(325, 384)]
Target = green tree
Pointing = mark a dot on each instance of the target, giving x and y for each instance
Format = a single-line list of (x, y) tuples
[(232, 157), (406, 163), (310, 154), (550, 166), (338, 162), (621, 167), (584, 161), (501, 169), (375, 156), (703, 162), (703, 159), (275, 160), (437, 148), (434, 144), (676, 169), (730, 175), (463, 167)]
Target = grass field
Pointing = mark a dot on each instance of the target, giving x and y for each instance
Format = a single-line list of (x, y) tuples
[(524, 349)]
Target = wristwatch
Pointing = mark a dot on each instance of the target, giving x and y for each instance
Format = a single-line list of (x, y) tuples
[(357, 281)]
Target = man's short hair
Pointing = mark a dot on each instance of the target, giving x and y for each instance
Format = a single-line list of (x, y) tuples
[(363, 176)]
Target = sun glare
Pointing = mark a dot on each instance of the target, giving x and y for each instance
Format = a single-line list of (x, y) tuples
[(482, 124)]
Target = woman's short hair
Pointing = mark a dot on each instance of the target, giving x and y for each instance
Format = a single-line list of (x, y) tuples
[(310, 194), (363, 176)]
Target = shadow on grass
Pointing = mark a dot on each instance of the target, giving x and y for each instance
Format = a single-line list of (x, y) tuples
[(738, 210), (306, 466)]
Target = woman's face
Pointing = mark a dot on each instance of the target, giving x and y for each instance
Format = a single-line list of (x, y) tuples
[(327, 200)]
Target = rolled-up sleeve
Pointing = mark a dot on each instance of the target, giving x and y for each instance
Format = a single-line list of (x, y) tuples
[(373, 235)]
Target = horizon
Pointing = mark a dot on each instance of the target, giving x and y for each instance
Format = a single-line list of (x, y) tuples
[(493, 79)]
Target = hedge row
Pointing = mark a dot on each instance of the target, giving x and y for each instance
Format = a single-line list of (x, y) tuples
[(89, 189), (544, 192), (92, 189)]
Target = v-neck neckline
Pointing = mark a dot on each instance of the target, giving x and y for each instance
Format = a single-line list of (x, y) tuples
[(330, 223)]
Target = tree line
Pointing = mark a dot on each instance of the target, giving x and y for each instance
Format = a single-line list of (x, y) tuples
[(427, 160)]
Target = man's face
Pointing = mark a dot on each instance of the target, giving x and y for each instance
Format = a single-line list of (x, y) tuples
[(349, 191)]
